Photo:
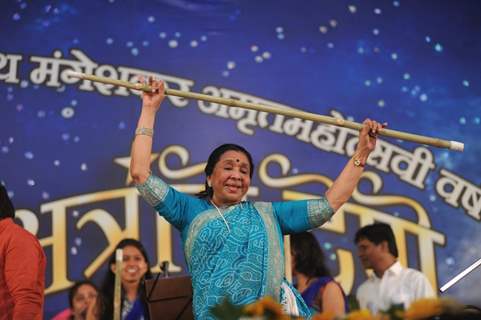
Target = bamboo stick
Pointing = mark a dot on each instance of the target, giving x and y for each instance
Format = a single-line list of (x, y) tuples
[(287, 258), (431, 141), (118, 284)]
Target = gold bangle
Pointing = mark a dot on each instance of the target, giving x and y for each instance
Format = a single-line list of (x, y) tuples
[(144, 131)]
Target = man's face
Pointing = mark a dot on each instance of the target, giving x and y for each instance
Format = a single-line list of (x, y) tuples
[(370, 253)]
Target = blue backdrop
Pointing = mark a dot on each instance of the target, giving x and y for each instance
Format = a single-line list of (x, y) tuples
[(65, 143)]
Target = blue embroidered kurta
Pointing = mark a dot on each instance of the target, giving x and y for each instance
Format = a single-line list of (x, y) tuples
[(244, 263)]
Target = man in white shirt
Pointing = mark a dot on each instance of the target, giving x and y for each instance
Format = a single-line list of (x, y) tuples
[(390, 283)]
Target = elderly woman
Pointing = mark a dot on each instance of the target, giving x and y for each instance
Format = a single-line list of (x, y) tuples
[(233, 248)]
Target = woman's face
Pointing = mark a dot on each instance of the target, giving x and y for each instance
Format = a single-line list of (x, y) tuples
[(230, 178), (134, 265), (84, 297)]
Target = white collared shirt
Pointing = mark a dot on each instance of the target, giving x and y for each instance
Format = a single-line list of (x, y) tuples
[(398, 285)]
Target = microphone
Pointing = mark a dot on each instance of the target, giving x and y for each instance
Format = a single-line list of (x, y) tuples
[(164, 268)]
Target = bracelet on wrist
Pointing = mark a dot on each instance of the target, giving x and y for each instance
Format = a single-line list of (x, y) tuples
[(357, 161), (144, 131)]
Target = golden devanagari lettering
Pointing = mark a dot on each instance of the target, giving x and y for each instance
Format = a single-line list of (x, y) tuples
[(58, 243), (181, 173), (107, 223)]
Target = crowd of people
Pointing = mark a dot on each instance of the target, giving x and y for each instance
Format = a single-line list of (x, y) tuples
[(233, 247), (87, 301)]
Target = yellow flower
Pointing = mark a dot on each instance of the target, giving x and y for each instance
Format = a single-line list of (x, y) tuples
[(259, 308), (424, 308), (326, 315), (254, 309), (363, 314)]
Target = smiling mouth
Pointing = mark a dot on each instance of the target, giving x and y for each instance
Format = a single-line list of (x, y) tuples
[(233, 188), (131, 271)]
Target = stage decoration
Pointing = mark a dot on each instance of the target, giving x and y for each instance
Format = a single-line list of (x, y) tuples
[(423, 309)]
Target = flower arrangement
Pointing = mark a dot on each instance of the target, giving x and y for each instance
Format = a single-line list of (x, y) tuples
[(264, 308), (423, 309)]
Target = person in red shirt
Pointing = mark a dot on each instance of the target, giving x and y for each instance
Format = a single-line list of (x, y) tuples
[(22, 267)]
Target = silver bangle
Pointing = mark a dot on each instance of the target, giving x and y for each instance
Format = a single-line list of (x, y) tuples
[(144, 131)]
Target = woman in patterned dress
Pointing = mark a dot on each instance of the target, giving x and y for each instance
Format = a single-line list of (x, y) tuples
[(233, 248)]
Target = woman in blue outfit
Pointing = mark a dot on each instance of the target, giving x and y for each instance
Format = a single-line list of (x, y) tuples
[(318, 289), (233, 248)]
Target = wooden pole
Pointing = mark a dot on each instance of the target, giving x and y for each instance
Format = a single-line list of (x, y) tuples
[(118, 284), (436, 142)]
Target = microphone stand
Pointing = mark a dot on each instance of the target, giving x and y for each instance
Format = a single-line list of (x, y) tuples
[(164, 268)]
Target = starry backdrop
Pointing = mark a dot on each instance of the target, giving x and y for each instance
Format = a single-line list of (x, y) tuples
[(414, 64)]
